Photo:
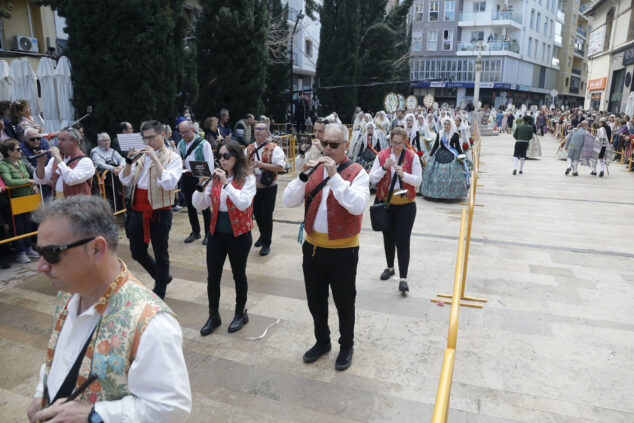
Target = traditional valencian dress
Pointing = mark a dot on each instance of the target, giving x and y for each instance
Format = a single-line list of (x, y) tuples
[(445, 176)]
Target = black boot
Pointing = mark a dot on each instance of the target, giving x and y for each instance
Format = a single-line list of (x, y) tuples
[(212, 323), (240, 319)]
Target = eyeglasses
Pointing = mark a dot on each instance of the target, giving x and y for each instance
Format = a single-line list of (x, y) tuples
[(150, 138), (333, 145), (225, 156), (260, 129), (17, 149), (51, 253), (35, 138)]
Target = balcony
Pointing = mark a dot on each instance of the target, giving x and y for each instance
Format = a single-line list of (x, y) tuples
[(493, 46), (558, 40), (579, 52), (561, 17), (581, 31), (292, 14), (576, 71), (501, 18)]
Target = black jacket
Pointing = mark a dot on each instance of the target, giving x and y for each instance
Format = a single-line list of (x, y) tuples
[(454, 142)]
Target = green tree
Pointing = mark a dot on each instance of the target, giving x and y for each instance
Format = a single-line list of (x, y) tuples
[(126, 59), (338, 52), (232, 56), (376, 65), (397, 20), (277, 75), (370, 12)]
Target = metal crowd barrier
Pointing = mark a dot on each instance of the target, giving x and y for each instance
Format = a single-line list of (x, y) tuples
[(287, 144), (21, 205)]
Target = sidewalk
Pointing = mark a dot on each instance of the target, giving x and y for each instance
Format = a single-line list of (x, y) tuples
[(552, 254)]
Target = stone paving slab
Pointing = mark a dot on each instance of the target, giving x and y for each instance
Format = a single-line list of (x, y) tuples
[(552, 254)]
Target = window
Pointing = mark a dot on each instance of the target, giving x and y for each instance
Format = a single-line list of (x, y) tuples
[(432, 41), (574, 19), (548, 4), (536, 45), (540, 2), (548, 56), (480, 6), (450, 10), (530, 46), (551, 28), (417, 41), (543, 51), (539, 21), (308, 48), (546, 27), (418, 12), (532, 19), (433, 11), (447, 39), (569, 61), (477, 36), (566, 82)]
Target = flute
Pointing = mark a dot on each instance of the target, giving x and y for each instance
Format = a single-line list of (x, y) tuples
[(201, 187), (130, 160), (38, 155), (304, 176)]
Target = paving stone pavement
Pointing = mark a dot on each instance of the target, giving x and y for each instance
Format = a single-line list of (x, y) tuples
[(552, 254)]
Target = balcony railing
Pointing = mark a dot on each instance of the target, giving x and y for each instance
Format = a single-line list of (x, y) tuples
[(579, 52), (580, 31), (494, 16), (511, 46), (573, 90), (561, 16), (576, 71)]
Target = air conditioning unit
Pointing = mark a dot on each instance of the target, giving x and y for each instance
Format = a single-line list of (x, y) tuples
[(26, 43)]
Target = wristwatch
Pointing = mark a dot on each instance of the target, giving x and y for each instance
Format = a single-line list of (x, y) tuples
[(94, 417)]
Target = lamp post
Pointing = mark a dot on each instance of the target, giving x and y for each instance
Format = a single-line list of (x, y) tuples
[(476, 85), (290, 91)]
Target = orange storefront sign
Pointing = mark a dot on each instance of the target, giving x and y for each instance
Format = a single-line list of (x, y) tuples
[(597, 84)]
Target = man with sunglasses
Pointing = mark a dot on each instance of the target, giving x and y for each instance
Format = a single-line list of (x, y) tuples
[(153, 177), (33, 144), (107, 324), (336, 195), (69, 172)]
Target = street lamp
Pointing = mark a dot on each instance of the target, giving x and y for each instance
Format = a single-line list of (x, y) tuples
[(300, 16)]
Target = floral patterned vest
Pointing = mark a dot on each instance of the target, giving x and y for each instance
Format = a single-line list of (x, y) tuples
[(126, 309), (383, 187), (241, 221), (266, 154), (84, 188), (341, 224)]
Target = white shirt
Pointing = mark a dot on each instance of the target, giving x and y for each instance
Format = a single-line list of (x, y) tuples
[(207, 154), (277, 158), (157, 379), (241, 198), (168, 180), (353, 197), (84, 170), (414, 178)]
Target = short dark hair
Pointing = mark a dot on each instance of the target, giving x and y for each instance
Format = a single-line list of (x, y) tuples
[(157, 126), (8, 145), (87, 215), (123, 126), (223, 112), (527, 119)]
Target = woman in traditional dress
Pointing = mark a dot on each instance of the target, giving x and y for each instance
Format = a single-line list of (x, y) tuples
[(534, 146), (382, 123), (446, 176)]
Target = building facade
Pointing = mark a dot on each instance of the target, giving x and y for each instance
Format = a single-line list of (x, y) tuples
[(305, 45), (610, 55), (516, 42), (571, 34)]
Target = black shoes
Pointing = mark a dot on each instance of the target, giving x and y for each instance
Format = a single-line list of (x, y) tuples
[(402, 286), (205, 239), (514, 171), (575, 173), (387, 273), (240, 319), (265, 251), (258, 243), (192, 237), (593, 173), (212, 323), (601, 174), (521, 172), (317, 351), (344, 359), (568, 170)]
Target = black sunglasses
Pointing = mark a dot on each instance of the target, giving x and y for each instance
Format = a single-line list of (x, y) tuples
[(51, 253), (35, 138), (332, 145), (225, 156)]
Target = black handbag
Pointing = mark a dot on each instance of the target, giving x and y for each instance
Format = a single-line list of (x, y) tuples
[(379, 210)]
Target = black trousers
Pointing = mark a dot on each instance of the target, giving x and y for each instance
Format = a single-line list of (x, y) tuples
[(336, 267), (396, 237), (263, 206), (188, 186), (160, 225), (218, 246)]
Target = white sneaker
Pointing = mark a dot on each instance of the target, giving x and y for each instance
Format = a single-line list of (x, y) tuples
[(32, 253), (23, 258)]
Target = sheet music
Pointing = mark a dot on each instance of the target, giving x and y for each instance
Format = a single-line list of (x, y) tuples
[(128, 142)]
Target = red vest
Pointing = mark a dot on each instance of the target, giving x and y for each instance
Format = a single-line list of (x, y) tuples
[(266, 154), (241, 221), (84, 188), (383, 187), (341, 224)]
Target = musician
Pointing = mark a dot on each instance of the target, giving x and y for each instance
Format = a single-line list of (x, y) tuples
[(106, 324), (230, 195), (331, 250), (153, 177), (406, 176), (70, 175), (315, 150), (266, 158), (194, 148)]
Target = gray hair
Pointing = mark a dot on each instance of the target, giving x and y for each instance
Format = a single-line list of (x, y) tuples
[(102, 135), (157, 126), (74, 134), (339, 127), (188, 123), (88, 216), (223, 112), (262, 122), (29, 131)]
